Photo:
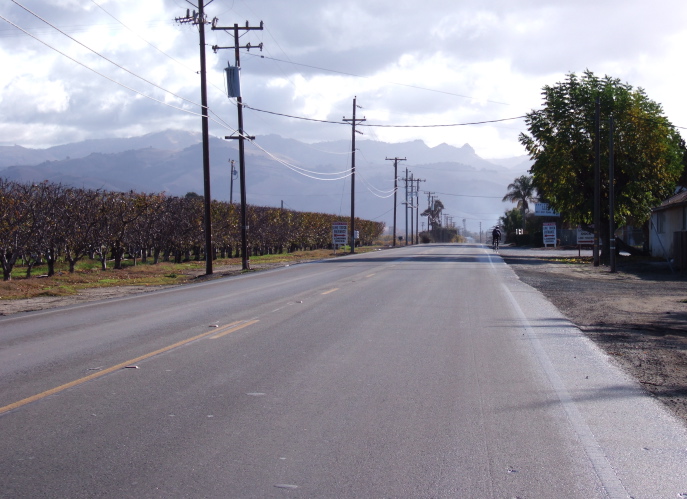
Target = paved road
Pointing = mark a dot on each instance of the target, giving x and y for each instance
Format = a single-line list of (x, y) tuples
[(426, 371)]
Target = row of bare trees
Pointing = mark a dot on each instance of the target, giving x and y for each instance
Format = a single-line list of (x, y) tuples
[(49, 221)]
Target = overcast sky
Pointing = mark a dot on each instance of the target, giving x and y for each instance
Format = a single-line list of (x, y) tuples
[(434, 62)]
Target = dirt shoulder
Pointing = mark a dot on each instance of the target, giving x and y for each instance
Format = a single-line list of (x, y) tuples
[(638, 315), (8, 307)]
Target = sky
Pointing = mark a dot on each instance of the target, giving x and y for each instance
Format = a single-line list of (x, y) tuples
[(129, 68)]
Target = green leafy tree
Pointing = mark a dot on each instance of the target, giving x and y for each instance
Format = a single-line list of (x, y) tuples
[(511, 220), (648, 157), (521, 191)]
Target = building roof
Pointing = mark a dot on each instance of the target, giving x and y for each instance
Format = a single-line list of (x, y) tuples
[(675, 201)]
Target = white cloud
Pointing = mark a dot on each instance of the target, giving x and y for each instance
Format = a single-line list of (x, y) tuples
[(441, 62), (43, 96)]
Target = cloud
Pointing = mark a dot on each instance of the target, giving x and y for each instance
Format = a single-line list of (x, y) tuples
[(441, 62)]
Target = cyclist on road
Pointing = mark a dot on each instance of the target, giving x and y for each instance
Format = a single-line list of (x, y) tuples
[(496, 237)]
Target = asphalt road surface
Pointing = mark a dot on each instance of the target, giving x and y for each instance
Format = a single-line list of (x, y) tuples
[(427, 371)]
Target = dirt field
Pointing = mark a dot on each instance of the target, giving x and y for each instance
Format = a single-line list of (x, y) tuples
[(637, 315)]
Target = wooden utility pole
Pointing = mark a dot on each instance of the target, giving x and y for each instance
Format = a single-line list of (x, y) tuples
[(411, 206), (245, 258), (611, 198), (395, 160), (597, 180), (408, 180), (417, 210), (199, 20), (353, 121)]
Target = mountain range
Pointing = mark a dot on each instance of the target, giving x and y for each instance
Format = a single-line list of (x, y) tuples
[(281, 171)]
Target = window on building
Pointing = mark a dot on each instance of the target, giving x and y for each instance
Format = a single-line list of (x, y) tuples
[(661, 222)]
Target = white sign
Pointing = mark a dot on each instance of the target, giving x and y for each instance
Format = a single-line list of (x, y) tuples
[(543, 210), (340, 233), (549, 230), (584, 237)]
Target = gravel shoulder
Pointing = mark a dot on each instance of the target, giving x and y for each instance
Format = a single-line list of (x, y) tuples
[(637, 315)]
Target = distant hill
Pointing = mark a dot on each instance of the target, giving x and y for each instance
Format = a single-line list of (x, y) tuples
[(171, 140), (171, 161)]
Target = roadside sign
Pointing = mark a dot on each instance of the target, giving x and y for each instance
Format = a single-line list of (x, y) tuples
[(339, 233), (549, 230), (584, 238), (543, 210)]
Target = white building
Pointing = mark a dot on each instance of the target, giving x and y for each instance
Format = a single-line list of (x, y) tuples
[(669, 229)]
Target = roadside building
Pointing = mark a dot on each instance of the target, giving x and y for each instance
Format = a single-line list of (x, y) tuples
[(669, 229)]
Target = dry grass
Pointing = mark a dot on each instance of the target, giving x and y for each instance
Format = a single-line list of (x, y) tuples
[(89, 275)]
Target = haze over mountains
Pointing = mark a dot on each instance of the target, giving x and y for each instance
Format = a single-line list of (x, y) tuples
[(171, 161)]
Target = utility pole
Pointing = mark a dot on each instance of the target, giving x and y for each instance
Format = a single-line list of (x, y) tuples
[(411, 206), (199, 20), (597, 180), (417, 210), (395, 160), (353, 121), (611, 197), (406, 180), (245, 259)]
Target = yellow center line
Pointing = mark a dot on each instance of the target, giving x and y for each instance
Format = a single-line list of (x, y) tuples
[(76, 382), (232, 329), (330, 291), (369, 275)]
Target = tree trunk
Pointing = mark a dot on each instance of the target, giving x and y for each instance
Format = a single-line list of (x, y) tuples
[(29, 266), (117, 255), (103, 258), (50, 260), (8, 265)]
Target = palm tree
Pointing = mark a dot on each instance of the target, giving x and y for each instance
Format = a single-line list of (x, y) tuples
[(521, 191), (433, 214)]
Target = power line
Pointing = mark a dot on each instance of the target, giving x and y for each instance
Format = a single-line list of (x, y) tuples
[(100, 55), (302, 171), (139, 36), (448, 125), (371, 188), (97, 72), (467, 195), (294, 117), (370, 77), (386, 126), (218, 120)]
